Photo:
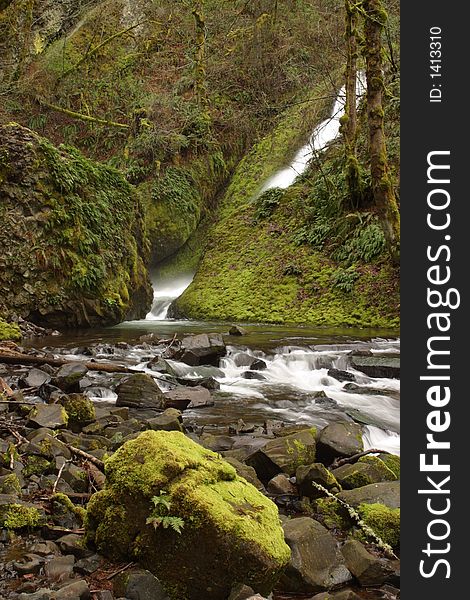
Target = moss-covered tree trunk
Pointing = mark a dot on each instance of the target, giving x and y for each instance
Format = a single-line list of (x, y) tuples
[(200, 55), (383, 193), (349, 120)]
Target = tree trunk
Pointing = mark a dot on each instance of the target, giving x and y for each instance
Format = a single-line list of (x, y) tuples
[(349, 120), (200, 56), (382, 189)]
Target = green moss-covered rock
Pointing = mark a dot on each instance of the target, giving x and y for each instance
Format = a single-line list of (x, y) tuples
[(383, 520), (368, 469), (79, 408), (15, 514), (9, 331), (392, 461), (36, 465), (84, 261), (284, 454), (332, 514), (10, 484), (183, 513)]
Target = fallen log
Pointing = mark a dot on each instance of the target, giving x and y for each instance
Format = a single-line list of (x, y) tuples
[(17, 358)]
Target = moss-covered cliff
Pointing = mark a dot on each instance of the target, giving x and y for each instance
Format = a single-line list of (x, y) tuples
[(72, 236)]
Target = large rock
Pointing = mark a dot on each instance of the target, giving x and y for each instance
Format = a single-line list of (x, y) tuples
[(316, 562), (364, 472), (139, 391), (339, 440), (73, 236), (68, 376), (378, 366), (163, 481), (306, 475), (386, 493), (368, 569), (202, 349), (284, 454), (188, 397), (52, 416), (138, 584)]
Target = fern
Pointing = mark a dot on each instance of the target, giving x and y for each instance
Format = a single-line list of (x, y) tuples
[(162, 504)]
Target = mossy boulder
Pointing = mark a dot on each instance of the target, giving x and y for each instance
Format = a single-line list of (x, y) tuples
[(15, 514), (384, 521), (368, 469), (183, 513), (79, 408), (284, 454), (9, 331), (83, 263)]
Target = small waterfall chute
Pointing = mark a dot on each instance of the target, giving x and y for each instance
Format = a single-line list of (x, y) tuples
[(164, 293), (323, 134)]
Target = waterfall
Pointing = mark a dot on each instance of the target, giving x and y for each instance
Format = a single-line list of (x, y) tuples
[(322, 135), (164, 292)]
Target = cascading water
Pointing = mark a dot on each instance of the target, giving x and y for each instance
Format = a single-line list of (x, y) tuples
[(322, 135), (163, 295)]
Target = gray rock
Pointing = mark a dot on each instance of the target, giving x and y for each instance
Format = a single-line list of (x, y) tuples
[(45, 548), (78, 590), (60, 567), (188, 397), (253, 375), (29, 563), (41, 594), (237, 330), (52, 416), (43, 443), (202, 349), (69, 375), (139, 391), (87, 566), (317, 473), (207, 382), (258, 365), (72, 543), (316, 563), (387, 493), (284, 455), (378, 366), (339, 440), (241, 592), (280, 484), (139, 584), (34, 378), (169, 420), (341, 375), (246, 472), (368, 569)]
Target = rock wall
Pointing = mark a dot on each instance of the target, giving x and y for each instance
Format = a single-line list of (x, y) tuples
[(73, 237)]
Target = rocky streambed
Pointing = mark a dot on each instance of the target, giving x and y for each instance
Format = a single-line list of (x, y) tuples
[(172, 469)]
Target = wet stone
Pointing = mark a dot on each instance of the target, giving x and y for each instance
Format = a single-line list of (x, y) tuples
[(72, 543), (52, 416), (87, 566), (60, 567)]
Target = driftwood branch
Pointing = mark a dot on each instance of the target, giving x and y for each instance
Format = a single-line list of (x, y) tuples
[(18, 358), (352, 459), (96, 461)]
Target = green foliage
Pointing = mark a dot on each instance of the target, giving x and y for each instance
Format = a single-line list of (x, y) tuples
[(9, 331), (163, 505), (344, 279), (364, 244), (267, 203)]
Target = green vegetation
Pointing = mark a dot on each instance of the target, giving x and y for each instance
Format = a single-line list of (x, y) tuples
[(20, 516), (165, 474), (9, 331), (383, 520)]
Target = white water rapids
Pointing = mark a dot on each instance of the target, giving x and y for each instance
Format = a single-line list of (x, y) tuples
[(289, 386)]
